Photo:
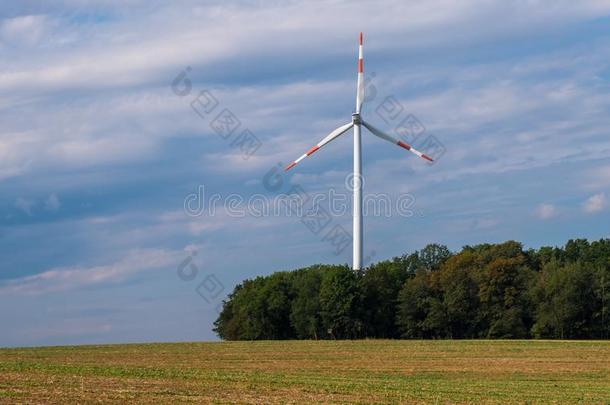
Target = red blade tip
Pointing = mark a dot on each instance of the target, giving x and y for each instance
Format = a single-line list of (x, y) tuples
[(361, 38), (404, 145), (290, 166), (312, 150)]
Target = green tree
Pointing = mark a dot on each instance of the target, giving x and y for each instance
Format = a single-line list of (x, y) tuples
[(505, 308), (380, 285), (421, 313), (242, 316), (486, 290), (577, 250), (340, 303), (601, 316), (305, 308), (567, 301), (276, 297), (433, 256), (460, 295), (257, 309)]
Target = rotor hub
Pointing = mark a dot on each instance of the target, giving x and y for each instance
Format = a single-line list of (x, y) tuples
[(356, 119)]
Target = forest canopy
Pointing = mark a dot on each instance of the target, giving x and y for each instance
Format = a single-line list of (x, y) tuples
[(483, 291)]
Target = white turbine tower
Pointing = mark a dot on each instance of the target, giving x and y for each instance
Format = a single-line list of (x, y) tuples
[(356, 123)]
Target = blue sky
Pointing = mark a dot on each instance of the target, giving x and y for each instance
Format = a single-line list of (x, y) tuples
[(97, 152)]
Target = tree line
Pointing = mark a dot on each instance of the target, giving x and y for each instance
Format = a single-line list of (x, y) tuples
[(482, 291)]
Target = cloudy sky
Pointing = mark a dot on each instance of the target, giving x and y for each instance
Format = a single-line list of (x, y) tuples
[(110, 156)]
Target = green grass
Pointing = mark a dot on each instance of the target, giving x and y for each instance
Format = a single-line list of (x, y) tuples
[(377, 371)]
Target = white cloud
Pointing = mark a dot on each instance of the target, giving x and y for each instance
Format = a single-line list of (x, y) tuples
[(62, 279), (595, 203), (131, 52), (25, 205), (131, 125), (52, 203), (546, 211), (23, 30)]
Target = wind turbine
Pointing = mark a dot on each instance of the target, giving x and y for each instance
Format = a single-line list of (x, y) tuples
[(356, 123)]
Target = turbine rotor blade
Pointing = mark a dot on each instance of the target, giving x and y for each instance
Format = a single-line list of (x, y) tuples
[(360, 87), (395, 141), (334, 134)]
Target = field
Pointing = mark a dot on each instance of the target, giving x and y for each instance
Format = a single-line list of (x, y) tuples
[(379, 371)]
